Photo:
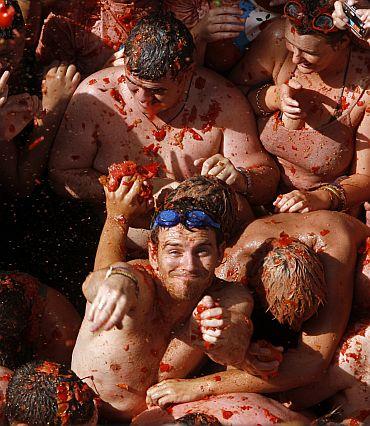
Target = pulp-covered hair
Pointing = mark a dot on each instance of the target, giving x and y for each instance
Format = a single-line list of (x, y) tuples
[(17, 23), (159, 44), (198, 419), (206, 193), (289, 280), (46, 393)]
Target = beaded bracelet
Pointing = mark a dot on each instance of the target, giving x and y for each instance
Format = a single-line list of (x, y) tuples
[(263, 112)]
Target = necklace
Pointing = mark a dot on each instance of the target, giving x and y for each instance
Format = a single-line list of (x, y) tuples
[(160, 132)]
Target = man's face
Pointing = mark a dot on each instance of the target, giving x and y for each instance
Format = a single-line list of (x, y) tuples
[(11, 52), (311, 53), (185, 261), (153, 97)]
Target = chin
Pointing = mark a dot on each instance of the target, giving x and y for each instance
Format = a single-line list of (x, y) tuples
[(306, 70)]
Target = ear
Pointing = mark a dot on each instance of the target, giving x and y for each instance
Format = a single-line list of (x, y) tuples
[(221, 251), (153, 255)]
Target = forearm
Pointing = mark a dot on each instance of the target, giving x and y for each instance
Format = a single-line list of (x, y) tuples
[(78, 183), (92, 283), (357, 189), (112, 243), (265, 99)]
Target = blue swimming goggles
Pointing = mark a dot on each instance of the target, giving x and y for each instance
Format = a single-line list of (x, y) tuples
[(191, 219)]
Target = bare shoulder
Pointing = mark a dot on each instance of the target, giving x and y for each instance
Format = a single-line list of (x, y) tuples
[(101, 82), (232, 294), (146, 277)]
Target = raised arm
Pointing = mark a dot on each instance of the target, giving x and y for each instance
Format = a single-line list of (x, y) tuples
[(123, 206)]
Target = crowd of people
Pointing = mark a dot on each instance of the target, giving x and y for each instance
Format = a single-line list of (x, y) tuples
[(209, 162)]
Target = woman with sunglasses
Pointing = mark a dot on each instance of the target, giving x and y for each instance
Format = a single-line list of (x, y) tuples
[(309, 88)]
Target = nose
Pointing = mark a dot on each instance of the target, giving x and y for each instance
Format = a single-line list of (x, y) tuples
[(144, 95), (189, 262), (297, 56)]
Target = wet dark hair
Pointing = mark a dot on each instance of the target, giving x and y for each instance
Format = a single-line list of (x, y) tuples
[(289, 279), (15, 313), (159, 44), (46, 393), (206, 193), (198, 419), (18, 21)]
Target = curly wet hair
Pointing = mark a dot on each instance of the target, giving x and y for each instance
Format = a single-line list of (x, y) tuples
[(206, 193), (18, 21), (46, 393), (198, 419), (288, 278), (159, 44)]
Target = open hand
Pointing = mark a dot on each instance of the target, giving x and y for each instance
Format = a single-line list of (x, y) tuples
[(222, 168), (112, 302), (58, 86), (298, 201), (116, 60), (220, 23), (173, 391)]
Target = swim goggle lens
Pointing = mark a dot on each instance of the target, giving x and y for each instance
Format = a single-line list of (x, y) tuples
[(191, 219), (322, 21)]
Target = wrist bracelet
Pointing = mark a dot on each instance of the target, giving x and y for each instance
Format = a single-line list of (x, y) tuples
[(119, 270), (248, 179), (262, 111), (339, 194)]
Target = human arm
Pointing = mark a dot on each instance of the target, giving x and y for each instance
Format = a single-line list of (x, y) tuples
[(242, 148), (112, 293), (71, 166), (123, 205)]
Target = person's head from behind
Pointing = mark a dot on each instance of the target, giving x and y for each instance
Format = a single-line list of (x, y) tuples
[(311, 36), (195, 419), (158, 61), (12, 36), (15, 313), (189, 233), (288, 278), (47, 393)]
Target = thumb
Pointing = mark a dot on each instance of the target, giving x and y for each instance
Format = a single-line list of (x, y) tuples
[(207, 302), (199, 161), (294, 84)]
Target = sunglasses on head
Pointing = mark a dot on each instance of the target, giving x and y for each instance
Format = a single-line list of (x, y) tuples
[(191, 219), (297, 13)]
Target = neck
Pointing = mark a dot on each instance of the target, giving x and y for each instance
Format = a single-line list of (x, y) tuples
[(173, 311)]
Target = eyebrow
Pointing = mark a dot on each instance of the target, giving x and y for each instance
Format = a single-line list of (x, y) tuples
[(143, 87), (312, 52)]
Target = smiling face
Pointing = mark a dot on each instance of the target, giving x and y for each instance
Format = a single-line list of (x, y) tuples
[(311, 52), (153, 97), (185, 260)]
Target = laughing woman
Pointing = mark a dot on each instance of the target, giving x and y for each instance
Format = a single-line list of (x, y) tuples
[(309, 88)]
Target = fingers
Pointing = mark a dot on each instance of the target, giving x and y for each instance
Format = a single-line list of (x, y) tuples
[(340, 19), (211, 313), (102, 312), (293, 202), (199, 162), (212, 322), (207, 301), (117, 315), (4, 80), (294, 84)]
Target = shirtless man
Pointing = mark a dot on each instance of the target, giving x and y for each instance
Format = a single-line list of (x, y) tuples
[(266, 255), (310, 87), (149, 302), (162, 110)]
